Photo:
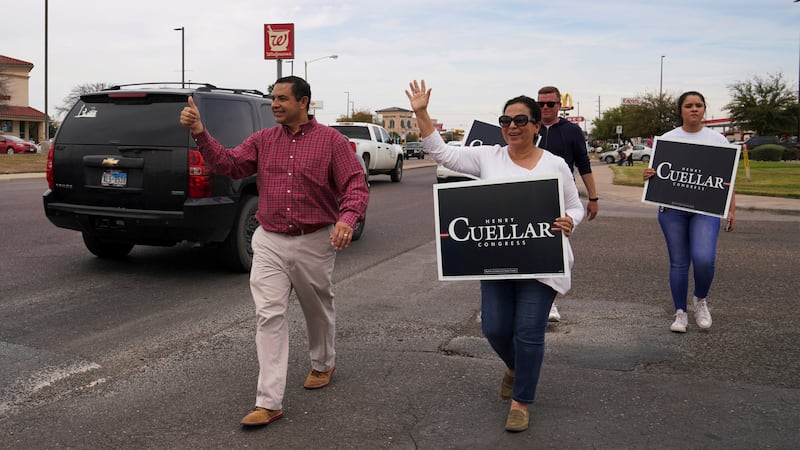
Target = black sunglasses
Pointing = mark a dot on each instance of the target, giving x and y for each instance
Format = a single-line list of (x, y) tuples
[(548, 104), (519, 120)]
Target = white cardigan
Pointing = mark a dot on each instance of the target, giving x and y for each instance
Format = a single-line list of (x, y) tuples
[(493, 162)]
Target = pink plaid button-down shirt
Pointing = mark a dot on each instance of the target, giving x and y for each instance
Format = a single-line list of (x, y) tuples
[(304, 180)]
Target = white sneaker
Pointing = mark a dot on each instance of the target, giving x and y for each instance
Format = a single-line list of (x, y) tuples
[(681, 322), (554, 315), (701, 314)]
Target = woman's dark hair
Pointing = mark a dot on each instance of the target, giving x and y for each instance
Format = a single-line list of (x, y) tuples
[(300, 88), (682, 99), (536, 112)]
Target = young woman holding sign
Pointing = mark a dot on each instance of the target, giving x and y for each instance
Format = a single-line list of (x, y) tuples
[(691, 237), (514, 312)]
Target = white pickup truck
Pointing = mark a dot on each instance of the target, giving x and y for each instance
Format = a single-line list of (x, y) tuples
[(381, 155)]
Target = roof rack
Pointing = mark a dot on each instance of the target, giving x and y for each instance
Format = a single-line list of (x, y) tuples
[(233, 90), (159, 83), (202, 87)]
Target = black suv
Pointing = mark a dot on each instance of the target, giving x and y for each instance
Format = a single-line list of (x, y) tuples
[(123, 171)]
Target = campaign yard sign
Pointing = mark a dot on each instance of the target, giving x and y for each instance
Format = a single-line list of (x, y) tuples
[(500, 229), (692, 177), (482, 133)]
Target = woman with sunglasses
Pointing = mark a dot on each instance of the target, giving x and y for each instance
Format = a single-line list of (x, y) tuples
[(514, 312), (691, 237)]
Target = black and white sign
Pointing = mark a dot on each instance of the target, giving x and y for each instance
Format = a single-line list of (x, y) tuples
[(500, 229), (482, 133), (692, 177)]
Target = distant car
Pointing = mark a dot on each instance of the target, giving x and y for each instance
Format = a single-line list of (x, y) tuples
[(755, 141), (413, 150), (640, 153), (445, 175), (12, 144)]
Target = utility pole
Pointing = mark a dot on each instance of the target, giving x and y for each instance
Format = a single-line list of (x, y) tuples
[(46, 117), (183, 56)]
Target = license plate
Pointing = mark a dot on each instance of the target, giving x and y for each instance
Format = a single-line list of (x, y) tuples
[(114, 178)]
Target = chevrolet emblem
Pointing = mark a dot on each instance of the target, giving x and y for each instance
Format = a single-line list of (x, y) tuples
[(110, 162)]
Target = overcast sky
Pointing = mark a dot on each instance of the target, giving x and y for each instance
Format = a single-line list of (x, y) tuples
[(474, 54)]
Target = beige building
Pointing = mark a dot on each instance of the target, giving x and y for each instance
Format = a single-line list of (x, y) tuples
[(399, 121), (17, 118)]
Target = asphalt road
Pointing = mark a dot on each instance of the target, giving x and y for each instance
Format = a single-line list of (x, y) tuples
[(157, 351)]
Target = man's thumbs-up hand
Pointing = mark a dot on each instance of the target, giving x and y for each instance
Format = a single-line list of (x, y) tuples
[(190, 117)]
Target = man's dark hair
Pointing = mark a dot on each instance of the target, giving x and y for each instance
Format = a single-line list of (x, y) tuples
[(300, 88)]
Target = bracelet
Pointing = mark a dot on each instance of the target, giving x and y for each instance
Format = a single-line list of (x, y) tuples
[(594, 199)]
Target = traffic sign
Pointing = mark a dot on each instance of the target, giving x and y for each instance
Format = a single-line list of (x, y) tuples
[(575, 119)]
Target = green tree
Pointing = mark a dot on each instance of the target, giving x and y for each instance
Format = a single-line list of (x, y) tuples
[(361, 116), (653, 115), (75, 94), (763, 105), (412, 137), (52, 125), (605, 126)]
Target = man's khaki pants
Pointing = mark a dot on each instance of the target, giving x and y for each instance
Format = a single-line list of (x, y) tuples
[(280, 263)]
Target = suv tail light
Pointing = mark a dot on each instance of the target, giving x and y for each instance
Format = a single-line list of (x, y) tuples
[(353, 146), (199, 176), (49, 168)]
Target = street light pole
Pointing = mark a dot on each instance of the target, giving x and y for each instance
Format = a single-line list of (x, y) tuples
[(46, 116), (347, 108), (661, 79), (305, 74), (183, 56)]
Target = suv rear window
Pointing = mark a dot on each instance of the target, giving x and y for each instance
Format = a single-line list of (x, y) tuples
[(353, 132), (152, 121), (230, 121)]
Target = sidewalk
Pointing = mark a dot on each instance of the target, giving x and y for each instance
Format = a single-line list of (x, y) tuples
[(604, 175)]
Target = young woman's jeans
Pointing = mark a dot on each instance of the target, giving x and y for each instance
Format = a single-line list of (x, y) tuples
[(514, 319), (691, 238)]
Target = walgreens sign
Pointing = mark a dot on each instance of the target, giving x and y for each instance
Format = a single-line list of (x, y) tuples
[(279, 41)]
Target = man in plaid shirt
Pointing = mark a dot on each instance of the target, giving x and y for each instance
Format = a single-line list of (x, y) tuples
[(309, 180)]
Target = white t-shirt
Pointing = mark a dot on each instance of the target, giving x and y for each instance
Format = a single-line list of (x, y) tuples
[(489, 162), (704, 135)]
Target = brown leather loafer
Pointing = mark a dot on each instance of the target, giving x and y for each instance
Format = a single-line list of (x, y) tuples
[(261, 416), (517, 420), (506, 386), (317, 379)]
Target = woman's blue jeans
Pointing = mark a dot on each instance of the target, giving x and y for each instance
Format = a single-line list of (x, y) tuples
[(514, 319), (691, 239)]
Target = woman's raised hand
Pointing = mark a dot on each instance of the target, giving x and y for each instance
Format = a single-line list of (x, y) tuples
[(419, 95)]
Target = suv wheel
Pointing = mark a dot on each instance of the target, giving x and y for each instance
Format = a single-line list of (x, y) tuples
[(106, 249), (397, 172), (237, 250), (645, 158), (359, 230)]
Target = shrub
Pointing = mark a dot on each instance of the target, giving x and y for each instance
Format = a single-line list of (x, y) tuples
[(791, 154), (767, 152)]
